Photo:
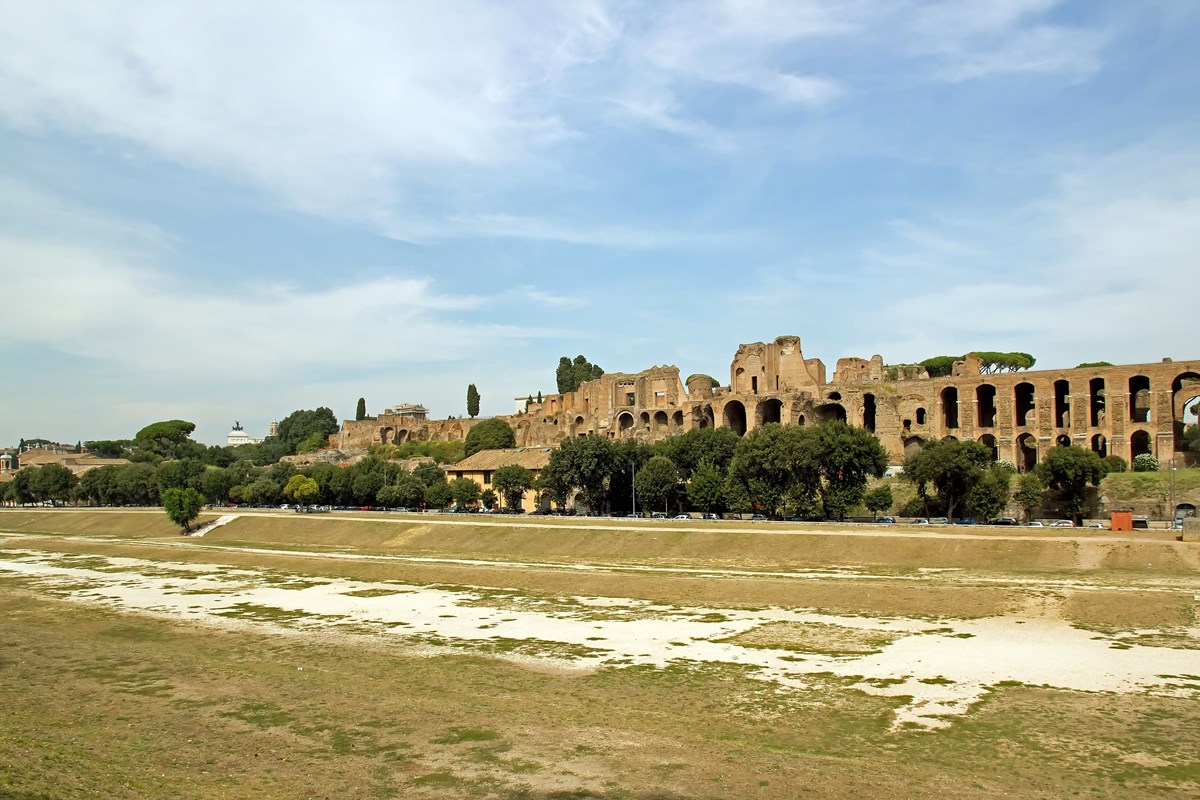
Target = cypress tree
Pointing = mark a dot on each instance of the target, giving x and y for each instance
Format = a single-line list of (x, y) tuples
[(361, 412), (472, 401)]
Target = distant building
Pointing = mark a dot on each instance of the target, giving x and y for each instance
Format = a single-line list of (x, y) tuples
[(238, 436), (480, 466)]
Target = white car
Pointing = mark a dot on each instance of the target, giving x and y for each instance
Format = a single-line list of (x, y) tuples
[(682, 516), (1062, 523), (1035, 524)]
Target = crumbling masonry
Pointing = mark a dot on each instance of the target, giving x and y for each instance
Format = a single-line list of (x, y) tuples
[(1120, 410)]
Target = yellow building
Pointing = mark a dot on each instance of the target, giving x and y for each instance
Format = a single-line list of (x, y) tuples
[(480, 466)]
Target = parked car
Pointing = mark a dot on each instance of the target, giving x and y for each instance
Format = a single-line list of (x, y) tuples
[(886, 520), (920, 521), (757, 518), (658, 515), (635, 515), (1062, 523), (1035, 524), (683, 516), (939, 521), (1003, 521), (1096, 525), (711, 515), (965, 521)]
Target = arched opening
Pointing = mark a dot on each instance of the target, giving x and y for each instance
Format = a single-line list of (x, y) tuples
[(869, 412), (660, 421), (1139, 443), (913, 445), (1063, 441), (835, 396), (401, 436), (989, 441), (985, 399), (1139, 399), (800, 420), (1184, 391), (1100, 445), (645, 417), (707, 418), (830, 412), (625, 424), (677, 421), (1027, 452), (1096, 402), (385, 435), (950, 407), (733, 416), (1062, 404), (950, 438), (920, 415), (769, 411), (1026, 398)]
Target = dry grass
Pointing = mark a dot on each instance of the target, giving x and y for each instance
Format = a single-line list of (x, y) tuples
[(102, 704)]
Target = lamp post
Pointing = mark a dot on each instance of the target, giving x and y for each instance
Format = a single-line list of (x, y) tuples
[(1171, 471), (633, 491)]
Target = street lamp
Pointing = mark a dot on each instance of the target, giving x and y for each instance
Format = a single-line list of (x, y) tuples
[(1171, 472), (633, 490)]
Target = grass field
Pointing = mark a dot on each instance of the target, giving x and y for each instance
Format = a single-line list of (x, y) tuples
[(116, 699)]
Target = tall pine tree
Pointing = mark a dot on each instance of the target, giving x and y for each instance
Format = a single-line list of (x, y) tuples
[(472, 401), (361, 412)]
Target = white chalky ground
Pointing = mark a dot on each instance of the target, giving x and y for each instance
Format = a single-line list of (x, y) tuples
[(941, 668)]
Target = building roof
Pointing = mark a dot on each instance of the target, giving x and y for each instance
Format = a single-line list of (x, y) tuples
[(533, 458)]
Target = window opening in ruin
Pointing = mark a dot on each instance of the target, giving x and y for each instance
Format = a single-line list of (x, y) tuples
[(869, 412), (1026, 402), (1139, 443), (800, 420), (831, 412), (1139, 399), (835, 395), (989, 441), (660, 394), (770, 411), (985, 398), (950, 407), (734, 416), (753, 384), (1096, 406), (1027, 447), (660, 421), (913, 446), (907, 424), (1062, 404), (1063, 441), (1100, 445), (629, 398), (777, 383), (920, 416)]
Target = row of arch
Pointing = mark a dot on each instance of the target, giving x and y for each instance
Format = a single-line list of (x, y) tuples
[(1025, 403), (1027, 446)]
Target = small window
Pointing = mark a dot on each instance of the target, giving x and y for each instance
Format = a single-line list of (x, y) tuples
[(487, 478)]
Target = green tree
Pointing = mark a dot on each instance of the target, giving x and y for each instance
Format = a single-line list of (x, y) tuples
[(1068, 471), (571, 374), (714, 446), (301, 489), (657, 483), (512, 481), (52, 482), (472, 401), (989, 496), (1116, 464), (940, 366), (586, 463), (437, 495), (846, 457), (951, 467), (109, 448), (706, 489), (878, 499), (410, 492), (490, 434), (299, 426), (215, 484), (166, 439), (360, 411), (178, 474), (182, 506), (775, 466), (464, 491), (262, 491), (488, 499), (1030, 494)]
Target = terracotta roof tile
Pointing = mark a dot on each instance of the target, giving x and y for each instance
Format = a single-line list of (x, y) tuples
[(533, 458)]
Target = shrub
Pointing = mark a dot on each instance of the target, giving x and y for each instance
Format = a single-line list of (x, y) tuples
[(1116, 464), (1145, 463)]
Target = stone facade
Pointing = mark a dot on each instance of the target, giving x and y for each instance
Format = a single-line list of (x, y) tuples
[(1118, 410)]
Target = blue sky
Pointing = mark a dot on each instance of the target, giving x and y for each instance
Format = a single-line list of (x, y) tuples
[(230, 211)]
